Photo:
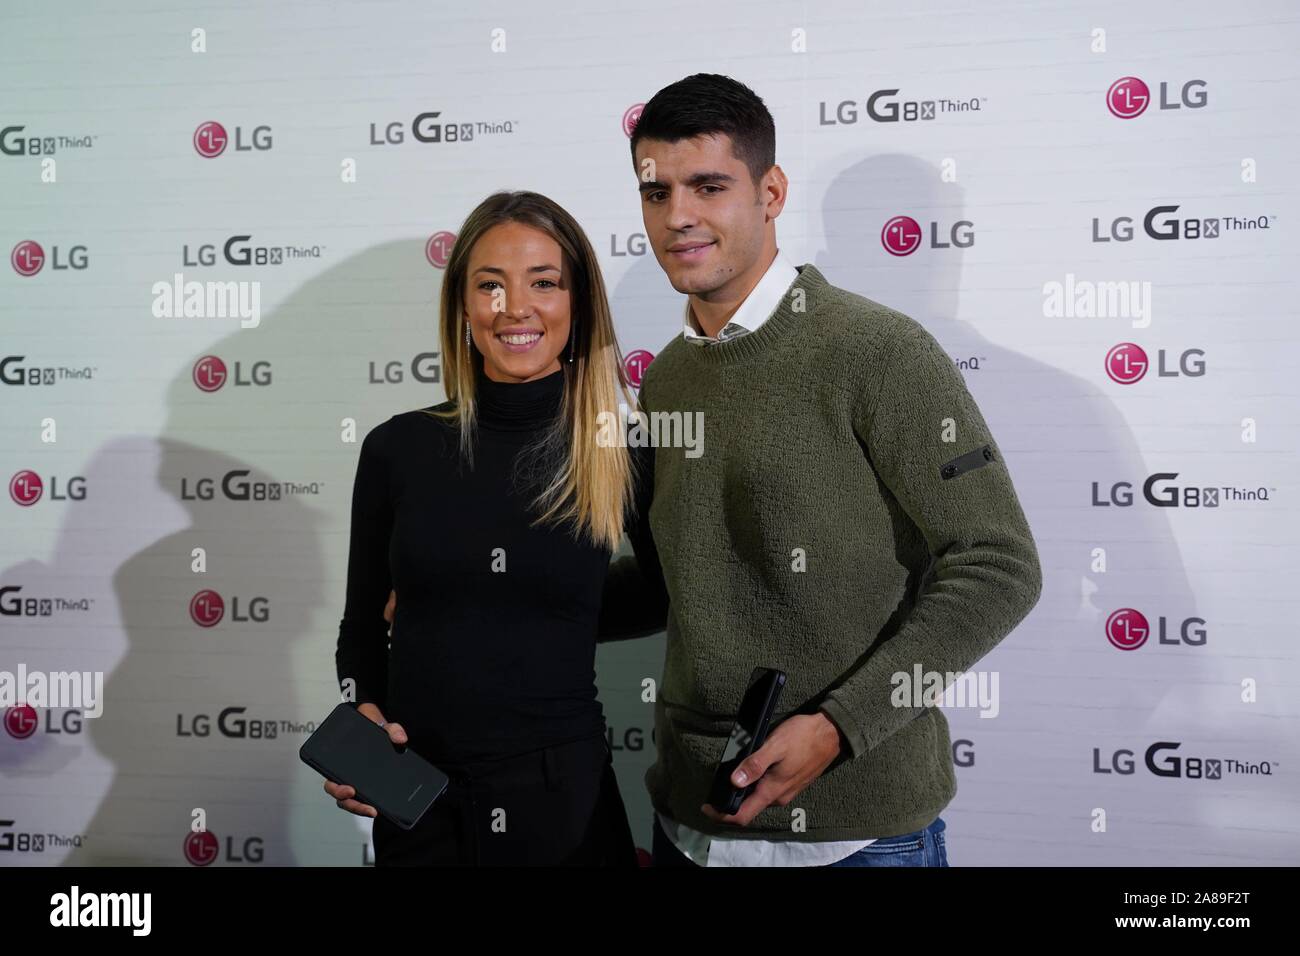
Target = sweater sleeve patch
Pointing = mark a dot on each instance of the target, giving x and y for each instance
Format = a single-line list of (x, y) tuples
[(968, 462)]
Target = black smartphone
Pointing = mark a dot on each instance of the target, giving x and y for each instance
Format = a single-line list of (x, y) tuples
[(748, 732), (348, 747)]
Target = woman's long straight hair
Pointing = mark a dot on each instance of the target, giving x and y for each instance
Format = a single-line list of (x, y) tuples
[(590, 485)]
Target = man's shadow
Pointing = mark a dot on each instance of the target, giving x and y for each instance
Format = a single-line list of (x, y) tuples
[(1064, 688)]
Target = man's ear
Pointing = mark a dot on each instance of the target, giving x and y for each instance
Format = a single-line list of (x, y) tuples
[(775, 189)]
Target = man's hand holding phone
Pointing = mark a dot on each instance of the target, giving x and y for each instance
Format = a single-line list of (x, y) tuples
[(797, 752)]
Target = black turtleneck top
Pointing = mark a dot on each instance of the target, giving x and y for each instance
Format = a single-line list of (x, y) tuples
[(492, 649)]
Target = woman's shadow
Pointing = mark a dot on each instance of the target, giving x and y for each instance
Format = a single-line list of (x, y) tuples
[(211, 718)]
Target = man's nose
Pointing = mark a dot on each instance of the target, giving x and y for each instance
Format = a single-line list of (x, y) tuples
[(681, 211)]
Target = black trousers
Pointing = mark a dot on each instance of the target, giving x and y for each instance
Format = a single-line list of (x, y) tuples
[(559, 806)]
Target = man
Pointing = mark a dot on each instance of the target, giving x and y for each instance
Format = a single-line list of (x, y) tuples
[(850, 517)]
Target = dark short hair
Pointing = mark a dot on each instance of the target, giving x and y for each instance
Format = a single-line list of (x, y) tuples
[(708, 103)]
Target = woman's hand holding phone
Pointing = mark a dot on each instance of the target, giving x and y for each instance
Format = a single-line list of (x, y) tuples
[(343, 794)]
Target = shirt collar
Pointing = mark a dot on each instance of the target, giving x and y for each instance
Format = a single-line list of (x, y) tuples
[(757, 307)]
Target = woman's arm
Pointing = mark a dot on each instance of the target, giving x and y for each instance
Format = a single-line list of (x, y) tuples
[(362, 653)]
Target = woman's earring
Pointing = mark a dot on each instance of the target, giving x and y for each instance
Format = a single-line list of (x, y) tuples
[(467, 334), (573, 337)]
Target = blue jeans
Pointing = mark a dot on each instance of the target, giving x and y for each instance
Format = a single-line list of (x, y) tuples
[(922, 848)]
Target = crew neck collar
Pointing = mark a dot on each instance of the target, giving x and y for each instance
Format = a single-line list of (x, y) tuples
[(791, 312)]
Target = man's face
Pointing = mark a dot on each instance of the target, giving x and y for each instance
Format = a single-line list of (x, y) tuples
[(704, 217)]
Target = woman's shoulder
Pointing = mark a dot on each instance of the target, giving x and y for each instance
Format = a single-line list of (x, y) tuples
[(441, 414), (403, 425)]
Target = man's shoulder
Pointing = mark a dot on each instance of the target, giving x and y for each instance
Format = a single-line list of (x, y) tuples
[(853, 323)]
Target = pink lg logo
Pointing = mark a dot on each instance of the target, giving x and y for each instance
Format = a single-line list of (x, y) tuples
[(27, 258), (1127, 629), (210, 139), (207, 608), (201, 848), (21, 721), (901, 236), (635, 365), (25, 488), (438, 249), (1126, 363), (209, 373), (630, 118), (1128, 97)]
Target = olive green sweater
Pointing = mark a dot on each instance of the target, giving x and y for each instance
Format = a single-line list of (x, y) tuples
[(850, 517)]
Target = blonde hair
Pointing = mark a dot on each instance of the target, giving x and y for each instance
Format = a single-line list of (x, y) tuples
[(591, 486)]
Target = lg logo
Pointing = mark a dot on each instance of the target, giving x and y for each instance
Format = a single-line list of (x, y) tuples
[(1127, 363), (630, 117), (438, 249), (207, 608), (26, 488), (635, 365), (425, 130), (903, 235), (424, 368), (1160, 223), (211, 138), (1128, 629), (21, 721), (632, 245), (28, 258), (1129, 97), (210, 374), (202, 848)]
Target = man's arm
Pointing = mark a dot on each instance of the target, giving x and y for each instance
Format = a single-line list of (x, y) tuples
[(985, 576)]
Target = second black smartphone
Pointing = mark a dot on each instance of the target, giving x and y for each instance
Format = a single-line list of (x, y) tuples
[(748, 732)]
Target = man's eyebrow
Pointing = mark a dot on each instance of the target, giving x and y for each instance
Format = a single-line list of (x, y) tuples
[(499, 271), (695, 179)]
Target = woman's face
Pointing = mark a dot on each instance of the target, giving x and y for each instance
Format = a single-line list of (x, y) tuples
[(517, 302)]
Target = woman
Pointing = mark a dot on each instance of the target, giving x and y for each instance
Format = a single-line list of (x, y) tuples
[(493, 516)]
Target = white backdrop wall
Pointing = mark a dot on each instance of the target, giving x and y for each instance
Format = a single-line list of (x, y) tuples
[(1028, 163)]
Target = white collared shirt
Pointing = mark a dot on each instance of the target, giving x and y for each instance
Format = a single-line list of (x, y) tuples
[(700, 848), (754, 311)]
